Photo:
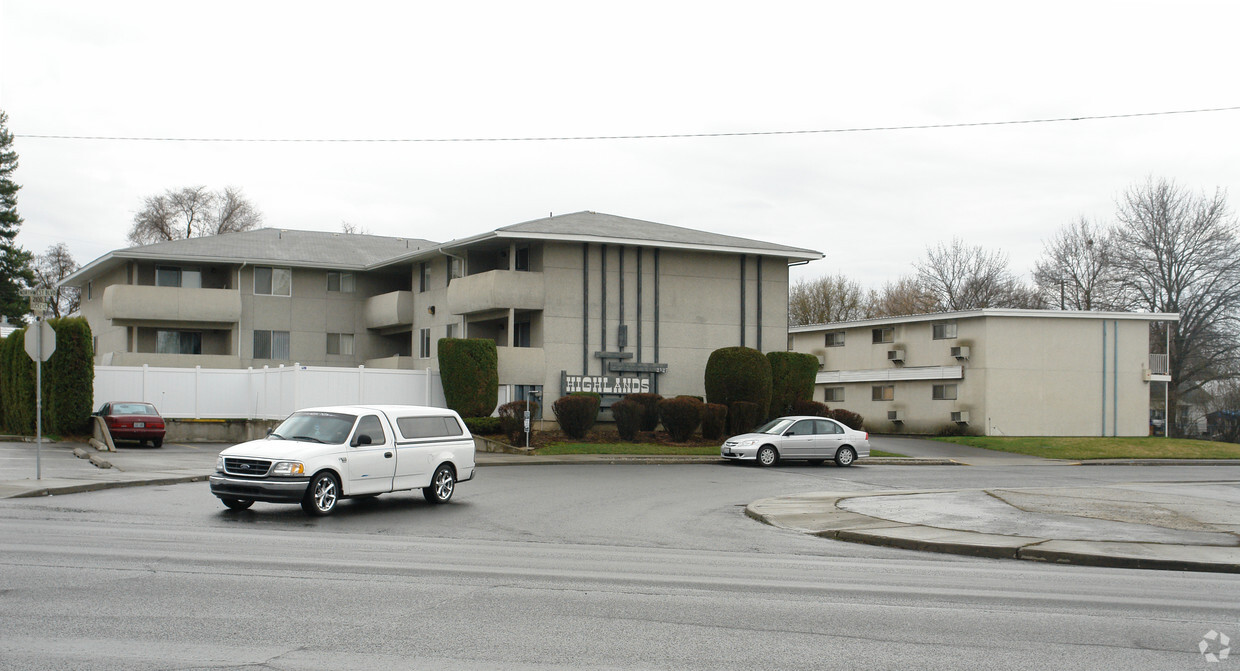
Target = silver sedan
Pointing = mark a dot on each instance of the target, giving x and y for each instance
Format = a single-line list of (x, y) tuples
[(812, 438)]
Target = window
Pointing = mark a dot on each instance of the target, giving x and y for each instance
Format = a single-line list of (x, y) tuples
[(271, 345), (833, 395), (371, 427), (424, 270), (521, 334), (454, 269), (883, 392), (178, 342), (270, 281), (531, 393), (835, 339), (340, 343), (826, 427), (944, 392), (90, 289), (428, 427), (522, 262), (884, 335), (945, 331), (424, 343), (450, 331), (340, 281), (804, 427), (171, 276)]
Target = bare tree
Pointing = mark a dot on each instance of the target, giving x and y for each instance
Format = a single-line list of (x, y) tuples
[(1076, 271), (967, 277), (905, 296), (51, 267), (1178, 252), (833, 298), (192, 212), (1223, 417), (353, 229)]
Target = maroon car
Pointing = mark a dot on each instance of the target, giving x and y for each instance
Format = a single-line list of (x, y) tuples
[(133, 421)]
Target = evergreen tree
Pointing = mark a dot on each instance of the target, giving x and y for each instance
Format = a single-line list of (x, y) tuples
[(15, 270)]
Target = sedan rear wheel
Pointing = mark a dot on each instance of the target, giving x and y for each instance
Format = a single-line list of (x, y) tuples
[(845, 456), (767, 456)]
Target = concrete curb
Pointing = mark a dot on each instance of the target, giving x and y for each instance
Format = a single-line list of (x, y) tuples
[(818, 515), (96, 486)]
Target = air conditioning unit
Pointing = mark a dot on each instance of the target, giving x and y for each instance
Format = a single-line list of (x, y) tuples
[(1145, 373), (961, 352), (895, 355), (896, 416), (822, 360), (961, 417)]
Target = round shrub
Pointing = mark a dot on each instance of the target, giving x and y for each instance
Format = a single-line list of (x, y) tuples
[(628, 415), (792, 379), (811, 408), (744, 416), (483, 426), (469, 371), (680, 416), (576, 413), (848, 418), (650, 406), (512, 420), (714, 420), (738, 374)]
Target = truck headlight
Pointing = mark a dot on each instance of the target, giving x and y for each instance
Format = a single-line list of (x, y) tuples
[(288, 468), (219, 464)]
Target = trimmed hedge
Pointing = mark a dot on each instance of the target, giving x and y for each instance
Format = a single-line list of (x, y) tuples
[(744, 417), (512, 420), (650, 405), (629, 416), (576, 413), (811, 408), (680, 416), (68, 381), (792, 380), (483, 426), (714, 420), (738, 374), (469, 370), (848, 418)]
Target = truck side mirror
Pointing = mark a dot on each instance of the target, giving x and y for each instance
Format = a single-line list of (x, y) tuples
[(362, 439)]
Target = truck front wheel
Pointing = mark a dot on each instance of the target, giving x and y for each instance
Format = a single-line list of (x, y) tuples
[(322, 495), (442, 485)]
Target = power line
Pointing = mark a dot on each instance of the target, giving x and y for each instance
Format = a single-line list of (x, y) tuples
[(669, 136)]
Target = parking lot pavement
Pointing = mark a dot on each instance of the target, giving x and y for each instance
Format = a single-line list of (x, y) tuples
[(68, 467)]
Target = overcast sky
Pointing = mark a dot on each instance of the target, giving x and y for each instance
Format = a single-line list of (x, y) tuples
[(871, 201)]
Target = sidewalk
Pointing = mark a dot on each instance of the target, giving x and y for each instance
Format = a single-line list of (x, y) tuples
[(1172, 526)]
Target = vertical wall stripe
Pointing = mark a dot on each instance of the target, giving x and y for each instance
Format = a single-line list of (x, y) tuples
[(1104, 378), (640, 253), (585, 308), (1115, 378), (620, 274), (758, 302), (603, 300), (742, 300), (654, 382)]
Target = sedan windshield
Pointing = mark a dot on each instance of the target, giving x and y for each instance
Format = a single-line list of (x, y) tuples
[(774, 427), (316, 427)]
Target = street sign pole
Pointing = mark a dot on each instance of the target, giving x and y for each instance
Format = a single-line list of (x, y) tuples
[(44, 343), (38, 403)]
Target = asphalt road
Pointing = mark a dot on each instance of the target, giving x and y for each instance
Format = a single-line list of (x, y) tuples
[(625, 567)]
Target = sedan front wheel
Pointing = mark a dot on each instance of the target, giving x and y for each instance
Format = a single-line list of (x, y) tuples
[(767, 456)]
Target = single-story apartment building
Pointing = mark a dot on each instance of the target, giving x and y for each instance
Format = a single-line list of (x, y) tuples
[(996, 371), (577, 302)]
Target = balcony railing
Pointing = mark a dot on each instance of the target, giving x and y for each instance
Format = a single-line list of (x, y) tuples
[(497, 289), (1160, 364), (394, 308), (142, 303)]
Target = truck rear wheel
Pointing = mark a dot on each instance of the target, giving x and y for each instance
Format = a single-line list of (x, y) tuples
[(442, 485)]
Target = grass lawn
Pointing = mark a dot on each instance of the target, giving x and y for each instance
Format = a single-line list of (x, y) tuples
[(1084, 447)]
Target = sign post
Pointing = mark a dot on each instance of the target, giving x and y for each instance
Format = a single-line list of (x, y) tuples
[(40, 343)]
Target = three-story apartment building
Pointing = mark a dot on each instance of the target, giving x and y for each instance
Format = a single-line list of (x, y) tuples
[(578, 302)]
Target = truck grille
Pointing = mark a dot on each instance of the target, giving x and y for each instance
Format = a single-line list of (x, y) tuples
[(256, 468)]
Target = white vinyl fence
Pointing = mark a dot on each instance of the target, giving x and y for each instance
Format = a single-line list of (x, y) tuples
[(262, 393)]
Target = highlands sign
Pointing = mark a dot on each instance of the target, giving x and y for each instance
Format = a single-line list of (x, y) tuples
[(604, 384)]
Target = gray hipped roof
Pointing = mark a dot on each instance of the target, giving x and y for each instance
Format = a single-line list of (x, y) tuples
[(275, 245)]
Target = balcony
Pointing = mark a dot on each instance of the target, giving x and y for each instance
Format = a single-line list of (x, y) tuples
[(522, 365), (155, 360), (495, 290), (394, 308), (1159, 370), (147, 304)]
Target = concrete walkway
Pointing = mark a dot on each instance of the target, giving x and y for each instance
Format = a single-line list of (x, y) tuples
[(1189, 527)]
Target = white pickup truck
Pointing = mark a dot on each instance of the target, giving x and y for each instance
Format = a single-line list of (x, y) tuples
[(321, 455)]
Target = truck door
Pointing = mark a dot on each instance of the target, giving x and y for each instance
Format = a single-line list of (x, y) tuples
[(372, 458)]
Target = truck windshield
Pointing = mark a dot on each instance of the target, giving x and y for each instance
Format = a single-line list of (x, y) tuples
[(316, 427)]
